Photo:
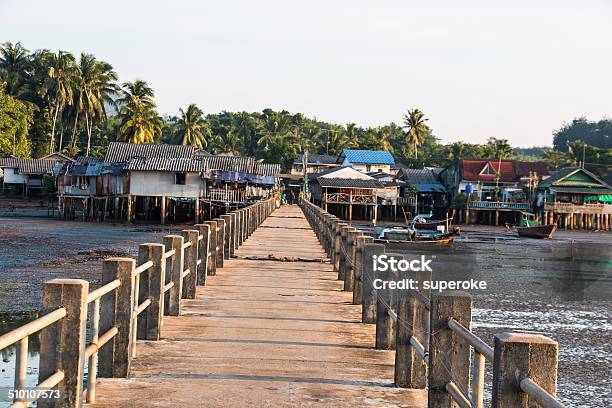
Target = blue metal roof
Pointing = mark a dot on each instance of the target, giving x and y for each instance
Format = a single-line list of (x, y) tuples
[(368, 156)]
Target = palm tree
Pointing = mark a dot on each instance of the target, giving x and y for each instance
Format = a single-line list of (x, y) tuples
[(14, 61), (414, 122), (140, 122), (58, 86), (192, 129), (95, 88)]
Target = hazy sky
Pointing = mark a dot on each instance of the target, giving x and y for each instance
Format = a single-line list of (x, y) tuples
[(516, 70)]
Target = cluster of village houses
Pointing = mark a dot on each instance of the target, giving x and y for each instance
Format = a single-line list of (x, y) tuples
[(174, 183)]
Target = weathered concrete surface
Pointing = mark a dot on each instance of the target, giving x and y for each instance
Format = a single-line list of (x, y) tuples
[(265, 333)]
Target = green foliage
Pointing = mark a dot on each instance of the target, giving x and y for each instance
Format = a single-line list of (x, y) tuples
[(15, 120), (598, 134)]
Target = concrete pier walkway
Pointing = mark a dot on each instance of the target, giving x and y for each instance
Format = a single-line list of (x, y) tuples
[(265, 333)]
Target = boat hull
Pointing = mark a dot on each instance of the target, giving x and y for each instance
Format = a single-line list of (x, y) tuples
[(541, 231), (401, 244)]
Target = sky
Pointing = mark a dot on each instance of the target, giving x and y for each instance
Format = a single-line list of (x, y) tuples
[(477, 69)]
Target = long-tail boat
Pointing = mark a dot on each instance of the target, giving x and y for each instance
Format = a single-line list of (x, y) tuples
[(530, 227)]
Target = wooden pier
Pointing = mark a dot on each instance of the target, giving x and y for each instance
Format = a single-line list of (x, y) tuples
[(265, 307), (264, 333)]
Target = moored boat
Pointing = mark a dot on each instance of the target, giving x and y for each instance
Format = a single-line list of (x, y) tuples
[(530, 227), (409, 237)]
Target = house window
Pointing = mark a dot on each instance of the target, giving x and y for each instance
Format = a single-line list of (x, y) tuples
[(368, 168), (179, 178)]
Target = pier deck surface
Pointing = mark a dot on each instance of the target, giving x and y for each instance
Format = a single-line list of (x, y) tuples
[(264, 334)]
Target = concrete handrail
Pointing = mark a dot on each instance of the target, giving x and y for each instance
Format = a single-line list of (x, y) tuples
[(422, 329), (130, 304)]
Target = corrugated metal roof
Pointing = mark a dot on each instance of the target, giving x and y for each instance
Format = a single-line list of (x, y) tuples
[(318, 159), (349, 183), (166, 164), (418, 176), (29, 166), (268, 169), (120, 152), (367, 156), (230, 163)]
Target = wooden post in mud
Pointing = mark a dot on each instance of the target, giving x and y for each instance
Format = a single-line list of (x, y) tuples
[(447, 350), (520, 360), (174, 271), (191, 263), (116, 310), (62, 344)]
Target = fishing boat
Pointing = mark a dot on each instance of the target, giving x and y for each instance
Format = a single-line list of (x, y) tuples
[(424, 222), (530, 227), (400, 237)]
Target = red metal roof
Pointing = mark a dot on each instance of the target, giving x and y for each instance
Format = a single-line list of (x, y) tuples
[(472, 170)]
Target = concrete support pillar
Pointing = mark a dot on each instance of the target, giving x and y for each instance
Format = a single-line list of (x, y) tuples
[(234, 220), (349, 275), (448, 351), (519, 356), (62, 344), (337, 245), (191, 259), (174, 273), (151, 287), (129, 208), (163, 210), (196, 215), (116, 310)]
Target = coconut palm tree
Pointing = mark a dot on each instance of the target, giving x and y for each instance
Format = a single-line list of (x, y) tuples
[(95, 89), (58, 86), (417, 129), (140, 122), (191, 128), (14, 62)]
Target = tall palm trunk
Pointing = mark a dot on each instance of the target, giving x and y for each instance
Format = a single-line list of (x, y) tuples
[(52, 145), (74, 129), (61, 141), (89, 125)]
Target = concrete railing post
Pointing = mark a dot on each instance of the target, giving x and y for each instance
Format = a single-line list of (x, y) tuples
[(116, 310), (368, 311), (336, 254), (220, 241), (191, 262), (62, 344), (519, 356), (410, 369), (358, 268), (234, 231), (386, 306), (174, 272), (349, 276), (227, 241), (203, 250), (212, 247), (342, 264), (448, 352), (151, 287)]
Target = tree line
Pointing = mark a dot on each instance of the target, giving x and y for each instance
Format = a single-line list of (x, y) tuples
[(55, 101)]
